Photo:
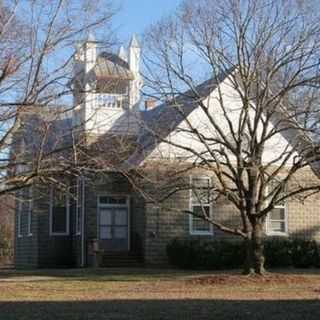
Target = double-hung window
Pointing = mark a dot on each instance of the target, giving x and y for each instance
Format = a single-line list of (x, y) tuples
[(59, 212), (200, 205), (277, 220)]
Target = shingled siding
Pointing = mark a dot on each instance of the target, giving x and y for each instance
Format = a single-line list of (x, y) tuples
[(304, 215), (138, 224), (162, 225), (41, 249), (151, 228), (26, 246), (53, 250), (76, 248)]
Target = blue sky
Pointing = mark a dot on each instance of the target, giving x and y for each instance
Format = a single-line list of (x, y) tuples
[(135, 15)]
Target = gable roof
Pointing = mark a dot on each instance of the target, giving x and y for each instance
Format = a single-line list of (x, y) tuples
[(165, 118)]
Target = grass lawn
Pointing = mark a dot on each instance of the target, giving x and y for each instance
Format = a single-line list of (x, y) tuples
[(157, 294)]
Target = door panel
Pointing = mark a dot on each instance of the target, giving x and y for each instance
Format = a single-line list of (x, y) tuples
[(120, 232), (113, 228), (105, 233), (105, 216), (120, 217)]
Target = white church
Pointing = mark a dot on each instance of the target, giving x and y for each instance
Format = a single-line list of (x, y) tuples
[(108, 217)]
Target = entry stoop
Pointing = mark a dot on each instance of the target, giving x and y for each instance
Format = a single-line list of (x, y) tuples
[(121, 260)]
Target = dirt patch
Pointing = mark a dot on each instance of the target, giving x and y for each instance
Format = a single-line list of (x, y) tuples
[(238, 280)]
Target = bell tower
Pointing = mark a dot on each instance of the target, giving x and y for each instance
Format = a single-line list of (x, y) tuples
[(107, 87)]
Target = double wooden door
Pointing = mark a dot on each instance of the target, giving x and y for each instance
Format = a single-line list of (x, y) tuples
[(113, 225)]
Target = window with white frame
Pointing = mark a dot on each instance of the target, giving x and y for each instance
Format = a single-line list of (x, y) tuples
[(277, 223), (59, 212), (79, 197), (29, 204), (200, 205)]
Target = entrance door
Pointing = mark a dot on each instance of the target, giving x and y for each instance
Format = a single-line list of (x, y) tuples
[(113, 214)]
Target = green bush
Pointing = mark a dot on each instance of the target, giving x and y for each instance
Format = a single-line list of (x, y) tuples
[(194, 254), (278, 252), (317, 258), (305, 253), (182, 255), (215, 255)]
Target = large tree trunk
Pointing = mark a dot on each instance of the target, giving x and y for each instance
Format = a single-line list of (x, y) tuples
[(254, 262)]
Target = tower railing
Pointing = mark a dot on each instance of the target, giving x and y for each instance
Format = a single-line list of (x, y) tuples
[(112, 101)]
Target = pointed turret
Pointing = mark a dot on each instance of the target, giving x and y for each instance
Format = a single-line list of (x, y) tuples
[(90, 49), (91, 38), (79, 54), (134, 43), (134, 64), (122, 53), (134, 54)]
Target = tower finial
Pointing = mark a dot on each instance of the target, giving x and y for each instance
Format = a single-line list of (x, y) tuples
[(134, 43), (91, 38)]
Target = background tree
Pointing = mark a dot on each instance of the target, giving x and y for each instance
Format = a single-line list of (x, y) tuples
[(38, 40), (6, 229), (269, 51)]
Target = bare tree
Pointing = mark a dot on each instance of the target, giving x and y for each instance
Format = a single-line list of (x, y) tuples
[(38, 41), (262, 61)]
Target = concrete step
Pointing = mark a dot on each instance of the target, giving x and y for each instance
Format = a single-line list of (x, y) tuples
[(121, 259)]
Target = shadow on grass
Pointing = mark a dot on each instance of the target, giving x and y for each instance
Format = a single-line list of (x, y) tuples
[(161, 309), (131, 274), (102, 274), (127, 275)]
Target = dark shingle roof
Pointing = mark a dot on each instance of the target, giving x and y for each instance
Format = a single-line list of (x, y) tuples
[(47, 127)]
